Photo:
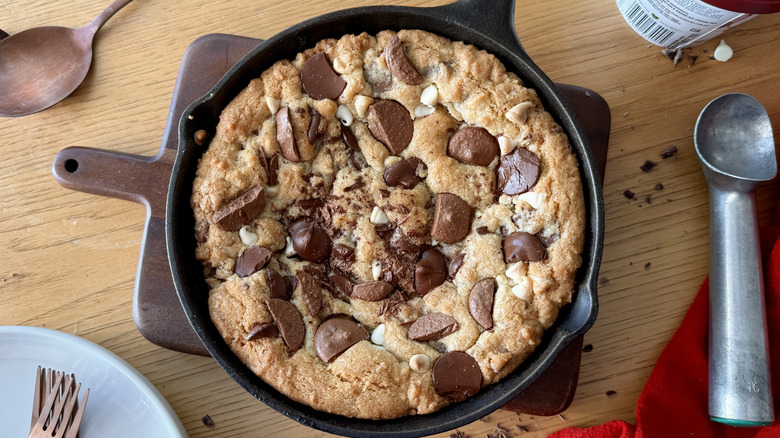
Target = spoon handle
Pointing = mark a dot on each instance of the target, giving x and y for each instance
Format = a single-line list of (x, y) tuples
[(101, 19), (739, 379)]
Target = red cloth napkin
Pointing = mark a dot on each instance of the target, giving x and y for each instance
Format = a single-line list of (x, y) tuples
[(673, 403)]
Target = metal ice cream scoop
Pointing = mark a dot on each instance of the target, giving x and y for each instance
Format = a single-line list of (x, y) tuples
[(736, 149)]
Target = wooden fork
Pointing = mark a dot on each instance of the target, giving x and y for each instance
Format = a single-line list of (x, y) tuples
[(55, 391)]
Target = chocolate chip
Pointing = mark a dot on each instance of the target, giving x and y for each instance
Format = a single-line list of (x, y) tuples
[(432, 327), (372, 291), (273, 170), (430, 271), (522, 246), (342, 283), (207, 421), (311, 291), (284, 135), (648, 166), (252, 260), (481, 302), (402, 174), (659, 186), (348, 137), (518, 172), (629, 194), (240, 211), (451, 218), (276, 285), (456, 263), (319, 80), (343, 251), (399, 64), (391, 124), (473, 145), (310, 241), (262, 330), (289, 322), (314, 125), (456, 375), (335, 336), (669, 152)]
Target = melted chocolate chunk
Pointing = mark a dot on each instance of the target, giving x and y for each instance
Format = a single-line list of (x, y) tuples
[(285, 136), (451, 218), (481, 302), (473, 145), (391, 124), (335, 336), (430, 271), (372, 291), (392, 304), (456, 263), (432, 327), (311, 291), (240, 211), (319, 80), (252, 260), (276, 285), (289, 322), (273, 170), (262, 330), (343, 284), (522, 246), (343, 251), (348, 137), (456, 375), (403, 174), (518, 172), (310, 241), (398, 64), (314, 126)]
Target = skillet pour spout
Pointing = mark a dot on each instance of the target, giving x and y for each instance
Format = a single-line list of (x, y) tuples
[(488, 25)]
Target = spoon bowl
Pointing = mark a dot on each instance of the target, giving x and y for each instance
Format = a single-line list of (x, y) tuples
[(41, 66)]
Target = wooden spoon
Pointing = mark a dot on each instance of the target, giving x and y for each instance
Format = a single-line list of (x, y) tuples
[(41, 66)]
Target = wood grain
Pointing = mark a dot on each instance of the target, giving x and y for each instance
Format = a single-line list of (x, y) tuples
[(68, 259)]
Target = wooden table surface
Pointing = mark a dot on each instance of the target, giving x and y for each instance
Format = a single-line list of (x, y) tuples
[(68, 259)]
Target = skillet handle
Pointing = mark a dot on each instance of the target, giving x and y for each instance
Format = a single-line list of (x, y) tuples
[(494, 18)]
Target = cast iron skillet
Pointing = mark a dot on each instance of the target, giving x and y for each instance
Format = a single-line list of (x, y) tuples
[(488, 25)]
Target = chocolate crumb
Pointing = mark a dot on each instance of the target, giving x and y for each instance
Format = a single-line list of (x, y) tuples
[(649, 199), (647, 266), (483, 230), (623, 89), (500, 432), (458, 434), (207, 421), (692, 58), (669, 152), (611, 393), (587, 348), (629, 194), (648, 166), (659, 186)]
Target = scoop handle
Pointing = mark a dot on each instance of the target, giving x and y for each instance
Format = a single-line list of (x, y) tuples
[(739, 379)]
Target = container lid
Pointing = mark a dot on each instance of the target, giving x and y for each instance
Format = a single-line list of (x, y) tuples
[(747, 6)]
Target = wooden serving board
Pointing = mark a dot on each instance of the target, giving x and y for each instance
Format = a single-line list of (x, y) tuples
[(156, 308)]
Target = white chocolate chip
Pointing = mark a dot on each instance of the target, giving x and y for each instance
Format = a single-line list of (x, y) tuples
[(524, 290), (540, 284), (272, 191), (273, 104), (362, 103), (344, 115), (420, 363), (289, 251), (507, 145), (339, 65), (430, 95), (376, 269), (723, 52), (378, 217), (423, 110), (248, 238), (378, 335), (516, 271), (519, 113), (391, 159), (532, 198)]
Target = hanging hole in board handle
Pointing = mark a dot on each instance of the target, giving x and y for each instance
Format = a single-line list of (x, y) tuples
[(71, 165)]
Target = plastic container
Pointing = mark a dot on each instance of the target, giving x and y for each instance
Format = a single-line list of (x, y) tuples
[(675, 24)]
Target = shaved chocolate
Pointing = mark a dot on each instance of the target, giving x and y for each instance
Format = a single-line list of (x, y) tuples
[(398, 64), (456, 375), (522, 246), (391, 124), (481, 302), (451, 218), (284, 135), (310, 241), (252, 260), (262, 330), (343, 283), (311, 291), (430, 271), (403, 174), (432, 327), (241, 210), (335, 336), (473, 145), (289, 322), (456, 263), (273, 170), (518, 172), (343, 251), (392, 304), (319, 80), (276, 285), (348, 137), (314, 125), (372, 291)]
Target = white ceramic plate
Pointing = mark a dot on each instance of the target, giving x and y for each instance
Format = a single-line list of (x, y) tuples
[(122, 403)]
